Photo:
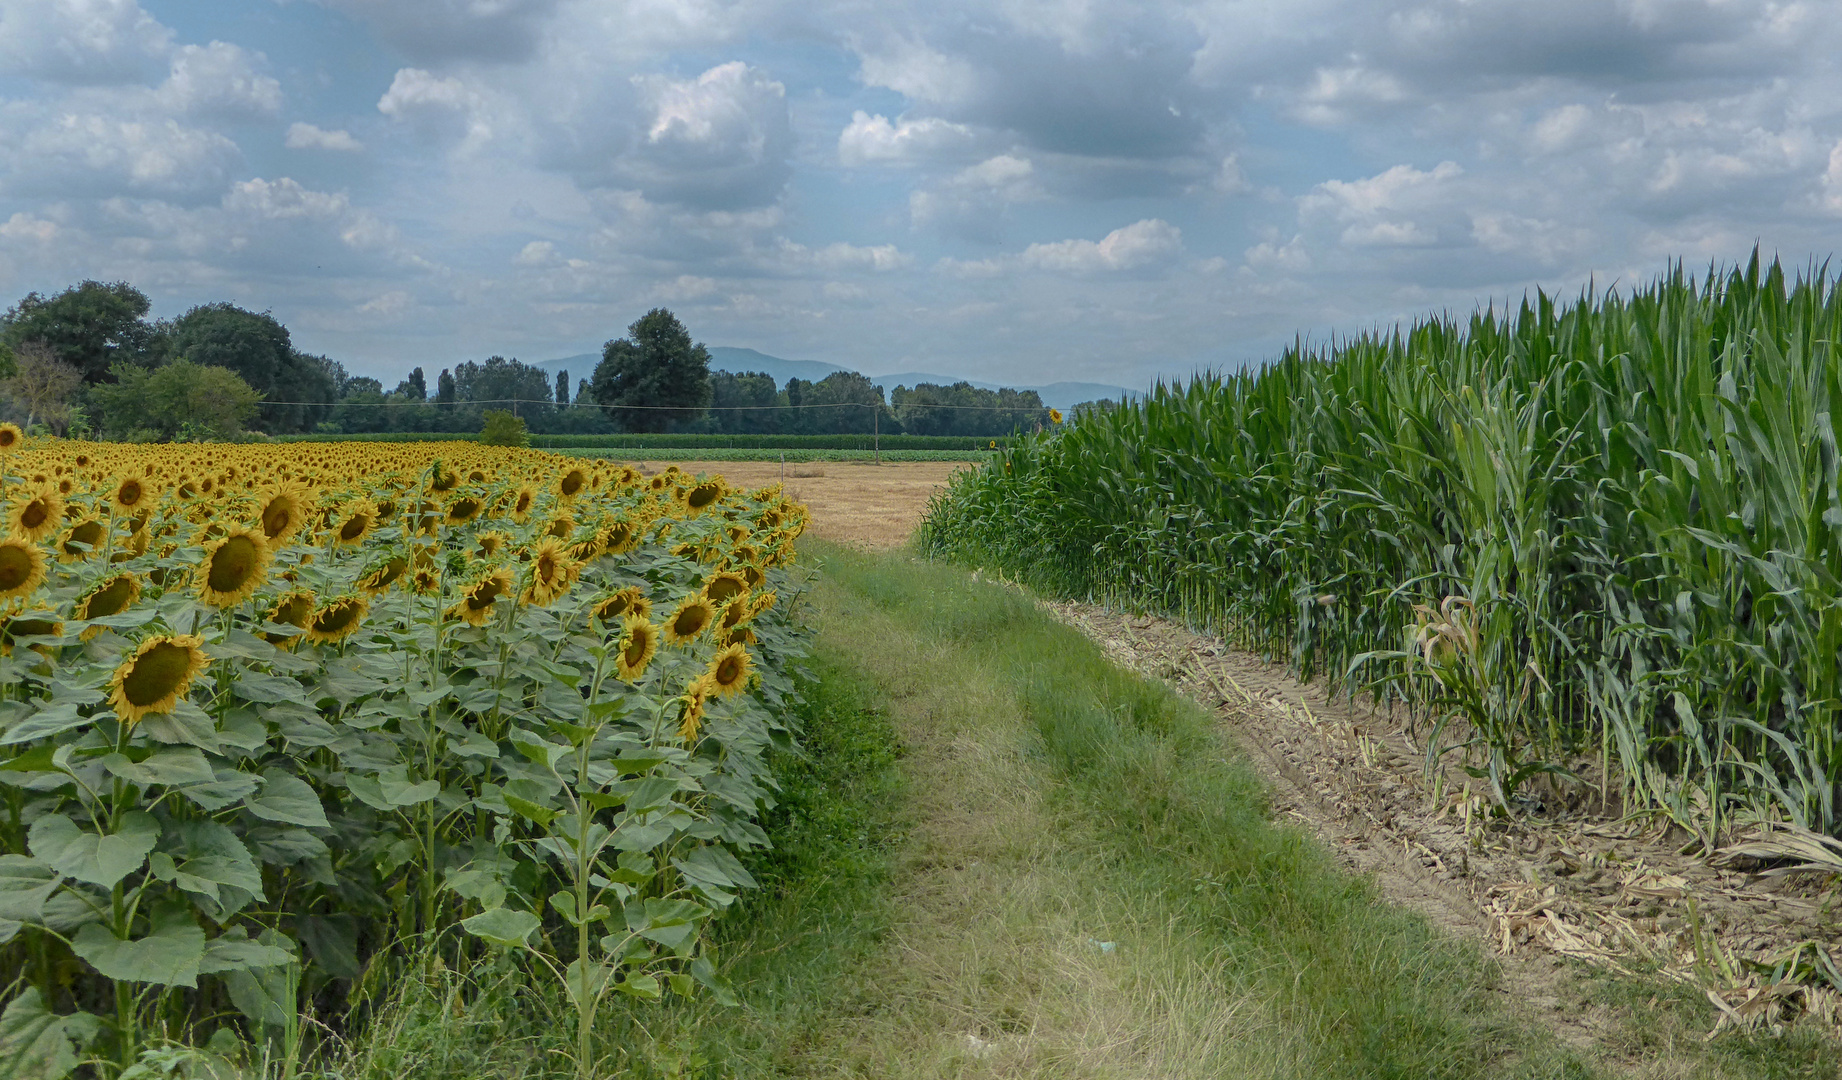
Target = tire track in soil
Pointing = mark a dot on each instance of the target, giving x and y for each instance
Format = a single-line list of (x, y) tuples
[(1563, 881)]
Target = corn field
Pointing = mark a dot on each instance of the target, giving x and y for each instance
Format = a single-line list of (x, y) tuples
[(1606, 532)]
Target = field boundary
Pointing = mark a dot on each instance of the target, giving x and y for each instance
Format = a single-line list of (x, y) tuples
[(1569, 882)]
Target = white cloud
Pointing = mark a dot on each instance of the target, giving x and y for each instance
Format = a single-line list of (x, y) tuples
[(720, 141), (435, 106), (220, 79), (387, 305), (1130, 248), (432, 30), (843, 256), (305, 136), (97, 155), (277, 200), (85, 42), (1270, 256), (871, 140), (536, 253), (24, 226)]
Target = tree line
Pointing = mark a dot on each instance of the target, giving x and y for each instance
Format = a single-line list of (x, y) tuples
[(89, 362)]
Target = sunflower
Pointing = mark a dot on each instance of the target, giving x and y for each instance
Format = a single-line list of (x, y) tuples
[(380, 575), (353, 522), (110, 596), (701, 497), (10, 438), (22, 567), (552, 573), (291, 610), (693, 616), (763, 603), (441, 478), (692, 719), (30, 624), (464, 509), (490, 542), (425, 581), (724, 586), (157, 676), (234, 568), (522, 501), (560, 526), (639, 641), (477, 599), (81, 540), (284, 509), (571, 483), (620, 605), (587, 549), (752, 574), (619, 537), (131, 494), (736, 612), (36, 516), (729, 671), (337, 619)]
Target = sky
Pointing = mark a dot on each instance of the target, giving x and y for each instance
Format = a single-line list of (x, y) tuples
[(1019, 191)]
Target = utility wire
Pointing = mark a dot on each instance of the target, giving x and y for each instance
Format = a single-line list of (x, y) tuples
[(656, 408)]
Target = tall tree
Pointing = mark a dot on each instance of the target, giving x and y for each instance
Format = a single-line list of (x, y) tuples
[(256, 347), (444, 388), (42, 384), (658, 376), (414, 388), (178, 400), (562, 387), (743, 402), (90, 326)]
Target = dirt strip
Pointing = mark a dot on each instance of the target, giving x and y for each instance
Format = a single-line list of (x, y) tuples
[(1558, 878), (856, 503)]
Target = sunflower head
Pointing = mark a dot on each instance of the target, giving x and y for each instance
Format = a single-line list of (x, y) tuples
[(234, 568), (729, 671), (464, 509), (695, 697), (110, 596), (550, 574), (157, 676), (639, 642), (522, 501), (700, 497), (81, 540), (28, 625), (284, 508), (692, 617), (22, 567), (10, 438), (381, 574), (37, 513), (725, 586), (571, 483), (490, 543), (560, 526), (619, 537), (614, 608), (336, 619), (291, 610), (131, 495), (477, 599), (353, 522)]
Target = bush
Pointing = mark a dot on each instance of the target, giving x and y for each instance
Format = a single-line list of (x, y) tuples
[(504, 429)]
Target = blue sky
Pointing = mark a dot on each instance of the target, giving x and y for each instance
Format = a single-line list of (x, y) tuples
[(1012, 190)]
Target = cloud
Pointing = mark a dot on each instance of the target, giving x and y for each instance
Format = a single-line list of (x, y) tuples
[(720, 141), (536, 253), (435, 106), (305, 136), (82, 42), (973, 203), (90, 155), (220, 79), (1146, 244), (438, 30), (25, 227), (1399, 207), (873, 140)]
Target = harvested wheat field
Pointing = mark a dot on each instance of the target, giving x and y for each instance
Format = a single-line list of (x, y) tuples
[(858, 503)]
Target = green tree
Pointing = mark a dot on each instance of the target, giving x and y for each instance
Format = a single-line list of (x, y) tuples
[(743, 403), (501, 428), (853, 401), (414, 388), (257, 348), (42, 385), (658, 376), (203, 400), (91, 326)]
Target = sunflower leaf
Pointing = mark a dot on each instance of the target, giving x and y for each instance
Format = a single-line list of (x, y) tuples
[(287, 799), (170, 768), (38, 1044), (51, 720), (502, 926), (167, 957), (99, 860)]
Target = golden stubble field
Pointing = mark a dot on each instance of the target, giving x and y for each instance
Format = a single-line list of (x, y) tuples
[(852, 502)]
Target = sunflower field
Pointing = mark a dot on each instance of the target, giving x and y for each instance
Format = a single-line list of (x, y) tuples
[(270, 715)]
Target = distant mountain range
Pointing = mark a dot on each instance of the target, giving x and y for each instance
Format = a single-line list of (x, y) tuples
[(1059, 395)]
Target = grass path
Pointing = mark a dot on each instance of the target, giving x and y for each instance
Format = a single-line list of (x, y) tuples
[(1087, 888)]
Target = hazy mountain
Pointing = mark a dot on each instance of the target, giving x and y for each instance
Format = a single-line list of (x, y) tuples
[(1060, 395)]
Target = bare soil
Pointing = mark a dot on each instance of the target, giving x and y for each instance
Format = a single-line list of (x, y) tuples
[(1562, 878), (858, 503)]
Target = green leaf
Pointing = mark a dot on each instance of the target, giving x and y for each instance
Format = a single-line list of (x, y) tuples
[(525, 808), (187, 723), (502, 926), (99, 860), (585, 983), (169, 956), (267, 689), (401, 792), (234, 951), (540, 751), (229, 786), (51, 720), (644, 987), (266, 994), (38, 1044), (288, 799), (25, 885), (169, 768)]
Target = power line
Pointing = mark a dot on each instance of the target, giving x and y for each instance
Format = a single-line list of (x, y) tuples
[(657, 408)]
